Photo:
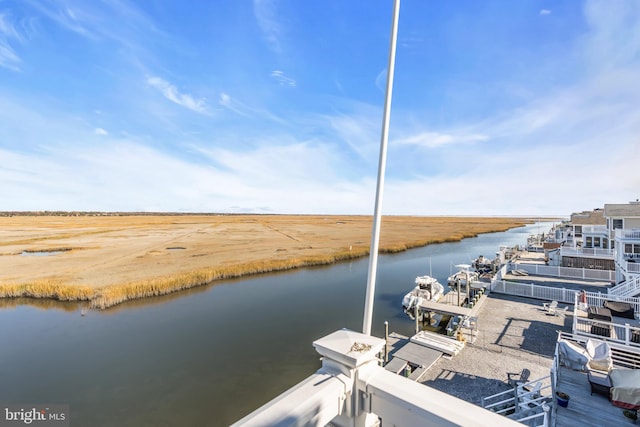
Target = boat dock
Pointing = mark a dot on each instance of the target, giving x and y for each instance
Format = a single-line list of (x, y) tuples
[(409, 358)]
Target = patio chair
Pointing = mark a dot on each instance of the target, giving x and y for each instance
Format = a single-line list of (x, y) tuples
[(600, 355), (551, 307), (523, 377), (561, 312), (527, 399)]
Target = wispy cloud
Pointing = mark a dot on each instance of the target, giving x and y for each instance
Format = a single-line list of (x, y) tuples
[(266, 14), (8, 57), (545, 12), (172, 93), (435, 139), (282, 79), (234, 105), (100, 131)]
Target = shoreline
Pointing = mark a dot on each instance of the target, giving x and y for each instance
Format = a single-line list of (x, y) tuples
[(299, 241)]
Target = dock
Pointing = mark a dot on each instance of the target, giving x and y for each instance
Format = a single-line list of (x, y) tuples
[(405, 354)]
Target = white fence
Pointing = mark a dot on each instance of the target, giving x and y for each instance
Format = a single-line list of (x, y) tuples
[(565, 272), (587, 252), (533, 291)]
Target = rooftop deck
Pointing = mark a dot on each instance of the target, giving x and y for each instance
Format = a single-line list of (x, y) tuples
[(585, 409)]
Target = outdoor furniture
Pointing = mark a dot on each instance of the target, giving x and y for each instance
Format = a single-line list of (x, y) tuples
[(600, 354), (561, 312), (600, 329), (599, 382), (625, 388), (572, 355), (523, 377), (550, 307), (620, 309), (599, 313), (528, 398)]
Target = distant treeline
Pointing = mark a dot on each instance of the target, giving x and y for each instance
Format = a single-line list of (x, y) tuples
[(89, 213)]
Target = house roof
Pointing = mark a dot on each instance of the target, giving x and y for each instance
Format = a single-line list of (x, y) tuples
[(594, 217), (622, 210)]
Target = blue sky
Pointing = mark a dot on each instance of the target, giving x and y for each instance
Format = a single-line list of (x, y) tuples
[(275, 106)]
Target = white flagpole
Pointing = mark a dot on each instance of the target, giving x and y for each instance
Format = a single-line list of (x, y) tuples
[(377, 214)]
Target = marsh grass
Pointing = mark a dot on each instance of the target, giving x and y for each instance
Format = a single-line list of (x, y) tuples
[(399, 234), (47, 288), (116, 294)]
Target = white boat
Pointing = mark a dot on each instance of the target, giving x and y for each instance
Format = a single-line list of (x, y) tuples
[(484, 265), (463, 277), (428, 289)]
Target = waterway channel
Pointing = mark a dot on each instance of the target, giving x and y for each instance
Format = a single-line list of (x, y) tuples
[(209, 355)]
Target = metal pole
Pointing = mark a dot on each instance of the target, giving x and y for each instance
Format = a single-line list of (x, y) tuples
[(375, 238), (386, 342)]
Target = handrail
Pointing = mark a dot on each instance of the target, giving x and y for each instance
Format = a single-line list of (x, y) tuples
[(629, 288)]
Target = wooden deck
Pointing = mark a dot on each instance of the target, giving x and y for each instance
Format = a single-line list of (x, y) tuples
[(585, 409)]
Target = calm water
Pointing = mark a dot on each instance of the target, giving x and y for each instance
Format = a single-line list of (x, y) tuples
[(210, 355)]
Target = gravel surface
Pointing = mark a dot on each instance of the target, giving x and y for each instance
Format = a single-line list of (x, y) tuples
[(513, 334)]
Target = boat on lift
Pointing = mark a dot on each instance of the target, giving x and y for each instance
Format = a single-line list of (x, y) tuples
[(427, 289), (463, 277)]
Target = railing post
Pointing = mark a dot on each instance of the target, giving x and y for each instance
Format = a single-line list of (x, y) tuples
[(531, 289), (627, 334)]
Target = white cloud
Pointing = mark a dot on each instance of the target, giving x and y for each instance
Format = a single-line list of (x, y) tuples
[(266, 15), (234, 105), (545, 12), (100, 131), (171, 93), (8, 57), (435, 139), (282, 79)]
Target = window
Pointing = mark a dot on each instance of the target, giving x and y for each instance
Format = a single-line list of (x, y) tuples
[(578, 231), (589, 243), (605, 242), (617, 223), (596, 242), (628, 248)]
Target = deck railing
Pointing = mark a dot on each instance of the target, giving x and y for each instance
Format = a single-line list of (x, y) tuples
[(587, 252), (530, 290), (627, 234), (629, 288), (608, 331), (508, 402), (564, 272), (631, 267), (623, 356), (597, 299), (351, 389)]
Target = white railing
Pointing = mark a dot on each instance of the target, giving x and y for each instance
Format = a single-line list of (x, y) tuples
[(631, 267), (627, 234), (351, 389), (567, 272), (587, 252), (613, 332), (510, 401), (622, 356), (630, 288), (594, 229), (597, 299), (530, 290)]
